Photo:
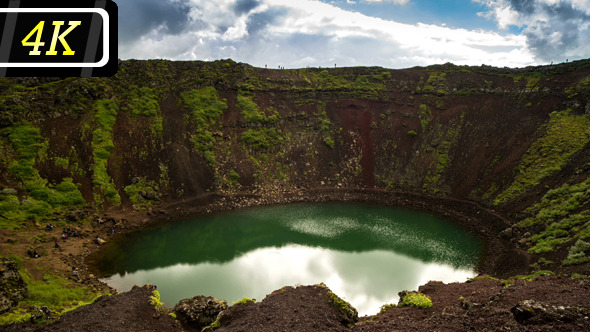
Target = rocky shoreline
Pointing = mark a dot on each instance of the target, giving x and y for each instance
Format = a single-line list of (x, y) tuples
[(503, 258)]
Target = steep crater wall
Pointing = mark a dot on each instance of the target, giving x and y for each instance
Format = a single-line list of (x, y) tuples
[(515, 141)]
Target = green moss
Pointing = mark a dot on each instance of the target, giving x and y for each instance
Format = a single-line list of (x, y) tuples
[(559, 203), (102, 146), (213, 326), (558, 232), (205, 110), (579, 88), (577, 253), (559, 213), (252, 113), (28, 145), (412, 133), (530, 277), (234, 177), (367, 86), (158, 126), (260, 139), (54, 292), (585, 232), (564, 135), (329, 141), (155, 300), (441, 158), (61, 162), (244, 300), (65, 193), (436, 84), (205, 105), (417, 300), (386, 307), (426, 116), (532, 83), (144, 102), (138, 190), (343, 306), (38, 198)]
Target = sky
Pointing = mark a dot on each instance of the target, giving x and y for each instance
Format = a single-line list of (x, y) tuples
[(327, 33)]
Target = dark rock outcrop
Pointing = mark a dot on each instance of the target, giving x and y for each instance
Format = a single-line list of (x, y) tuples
[(302, 309), (531, 312), (12, 286), (199, 311)]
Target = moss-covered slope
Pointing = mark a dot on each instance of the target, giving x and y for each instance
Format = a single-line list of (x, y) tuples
[(515, 140)]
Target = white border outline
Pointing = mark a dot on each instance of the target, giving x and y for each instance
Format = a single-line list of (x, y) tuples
[(105, 40)]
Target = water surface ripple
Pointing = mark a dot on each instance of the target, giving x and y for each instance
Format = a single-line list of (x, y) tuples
[(364, 253)]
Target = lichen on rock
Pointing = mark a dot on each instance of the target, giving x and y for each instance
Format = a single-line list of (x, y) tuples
[(12, 286), (199, 311)]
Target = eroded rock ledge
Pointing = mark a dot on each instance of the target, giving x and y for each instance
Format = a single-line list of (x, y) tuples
[(550, 303)]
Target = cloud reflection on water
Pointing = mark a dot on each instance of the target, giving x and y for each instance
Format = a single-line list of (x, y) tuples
[(366, 279)]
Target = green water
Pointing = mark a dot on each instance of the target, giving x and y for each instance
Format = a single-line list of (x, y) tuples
[(364, 253)]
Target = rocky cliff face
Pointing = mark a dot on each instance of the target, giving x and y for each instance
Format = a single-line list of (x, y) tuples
[(12, 287), (514, 140)]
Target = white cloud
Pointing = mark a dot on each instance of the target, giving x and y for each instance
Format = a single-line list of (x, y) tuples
[(397, 2), (312, 33), (554, 29)]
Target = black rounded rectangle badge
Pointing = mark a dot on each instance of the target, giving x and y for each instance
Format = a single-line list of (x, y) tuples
[(58, 38)]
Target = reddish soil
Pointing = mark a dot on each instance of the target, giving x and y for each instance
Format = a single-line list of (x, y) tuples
[(301, 309), (480, 305), (130, 311), (485, 305), (495, 129)]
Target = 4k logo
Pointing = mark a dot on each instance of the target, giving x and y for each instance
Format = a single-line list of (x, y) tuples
[(37, 40), (38, 30)]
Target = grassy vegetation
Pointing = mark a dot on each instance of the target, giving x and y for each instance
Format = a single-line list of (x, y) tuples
[(329, 141), (14, 211), (260, 139), (28, 145), (565, 134), (417, 300), (324, 80), (367, 85), (386, 307), (561, 212), (252, 113), (38, 199), (205, 110), (102, 146), (234, 177), (436, 84), (155, 300), (577, 253), (343, 306), (558, 203), (143, 101), (58, 294), (158, 125), (426, 116), (136, 192), (205, 105), (579, 88), (63, 194), (213, 326), (441, 157), (244, 300)]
